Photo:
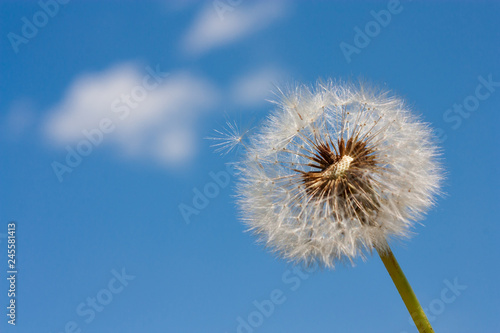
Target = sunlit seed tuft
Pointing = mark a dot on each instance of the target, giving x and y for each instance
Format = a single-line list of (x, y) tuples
[(328, 175)]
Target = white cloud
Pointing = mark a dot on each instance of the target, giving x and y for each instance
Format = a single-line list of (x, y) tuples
[(176, 145), (153, 114), (215, 26), (255, 87)]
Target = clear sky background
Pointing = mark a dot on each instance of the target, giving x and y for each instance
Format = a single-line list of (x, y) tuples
[(116, 211)]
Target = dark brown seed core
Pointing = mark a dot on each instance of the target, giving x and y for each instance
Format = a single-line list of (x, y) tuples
[(341, 173)]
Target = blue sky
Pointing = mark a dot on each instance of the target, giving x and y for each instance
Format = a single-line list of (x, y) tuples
[(147, 82)]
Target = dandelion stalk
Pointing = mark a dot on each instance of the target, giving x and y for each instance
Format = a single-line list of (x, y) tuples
[(405, 291)]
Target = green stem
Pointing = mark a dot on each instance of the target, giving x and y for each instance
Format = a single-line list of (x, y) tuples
[(404, 289)]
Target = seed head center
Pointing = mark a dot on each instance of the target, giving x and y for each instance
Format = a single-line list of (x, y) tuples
[(339, 168)]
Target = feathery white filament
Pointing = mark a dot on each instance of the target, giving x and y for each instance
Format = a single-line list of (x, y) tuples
[(335, 171)]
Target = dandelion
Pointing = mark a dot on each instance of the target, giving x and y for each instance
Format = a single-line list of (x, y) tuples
[(335, 172)]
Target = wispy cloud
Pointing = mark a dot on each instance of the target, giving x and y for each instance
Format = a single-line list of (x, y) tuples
[(212, 29), (253, 88), (153, 113)]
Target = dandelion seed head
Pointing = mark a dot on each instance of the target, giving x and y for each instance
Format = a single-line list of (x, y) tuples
[(336, 171)]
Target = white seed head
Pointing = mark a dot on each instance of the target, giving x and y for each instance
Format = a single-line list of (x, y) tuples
[(335, 171)]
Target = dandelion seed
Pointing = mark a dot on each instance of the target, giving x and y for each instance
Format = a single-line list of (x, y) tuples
[(228, 138)]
